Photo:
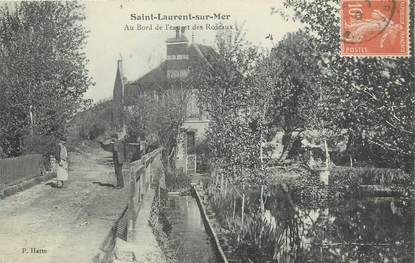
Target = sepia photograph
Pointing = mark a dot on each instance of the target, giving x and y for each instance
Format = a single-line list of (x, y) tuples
[(180, 131)]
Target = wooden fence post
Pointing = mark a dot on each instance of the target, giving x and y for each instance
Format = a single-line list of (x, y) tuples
[(131, 206), (132, 190)]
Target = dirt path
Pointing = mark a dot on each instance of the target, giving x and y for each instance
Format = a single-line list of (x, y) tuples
[(47, 224)]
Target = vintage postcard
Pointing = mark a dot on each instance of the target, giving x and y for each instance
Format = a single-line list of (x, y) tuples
[(180, 131)]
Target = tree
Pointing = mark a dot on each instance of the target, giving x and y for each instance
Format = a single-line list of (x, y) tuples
[(373, 98), (43, 74), (158, 118), (234, 93), (294, 70)]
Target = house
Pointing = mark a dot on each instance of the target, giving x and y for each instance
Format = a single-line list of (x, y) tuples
[(181, 55)]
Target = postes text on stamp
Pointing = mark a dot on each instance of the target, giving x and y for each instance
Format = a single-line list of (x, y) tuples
[(374, 28)]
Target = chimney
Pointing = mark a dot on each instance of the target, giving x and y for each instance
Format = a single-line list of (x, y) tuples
[(177, 54), (177, 32)]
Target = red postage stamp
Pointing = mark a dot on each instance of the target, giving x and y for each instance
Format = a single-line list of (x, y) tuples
[(374, 28)]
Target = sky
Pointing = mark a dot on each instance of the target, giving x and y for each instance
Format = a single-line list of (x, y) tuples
[(143, 50)]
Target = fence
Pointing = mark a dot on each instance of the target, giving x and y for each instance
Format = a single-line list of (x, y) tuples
[(13, 170), (234, 202), (141, 177)]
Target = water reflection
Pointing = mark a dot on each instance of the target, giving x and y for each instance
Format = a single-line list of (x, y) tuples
[(355, 230), (189, 240)]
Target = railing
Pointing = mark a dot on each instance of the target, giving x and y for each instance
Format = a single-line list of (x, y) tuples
[(141, 178), (19, 168)]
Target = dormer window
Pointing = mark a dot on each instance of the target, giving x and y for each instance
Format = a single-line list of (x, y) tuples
[(177, 57)]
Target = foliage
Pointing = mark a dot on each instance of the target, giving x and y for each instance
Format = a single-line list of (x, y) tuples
[(97, 129), (43, 72), (93, 122), (294, 74), (38, 143), (158, 225), (296, 230), (158, 118), (176, 181), (346, 180), (258, 240), (355, 230), (231, 91), (372, 98)]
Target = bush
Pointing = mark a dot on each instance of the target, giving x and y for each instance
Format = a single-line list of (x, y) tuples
[(370, 176), (93, 122), (159, 224), (348, 179), (177, 181), (97, 129), (259, 240), (91, 129), (41, 144)]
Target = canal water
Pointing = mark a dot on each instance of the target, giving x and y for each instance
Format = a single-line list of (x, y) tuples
[(355, 230), (188, 237)]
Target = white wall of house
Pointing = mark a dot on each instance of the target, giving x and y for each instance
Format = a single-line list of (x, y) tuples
[(196, 122)]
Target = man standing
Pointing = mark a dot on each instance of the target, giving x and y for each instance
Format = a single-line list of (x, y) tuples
[(118, 156)]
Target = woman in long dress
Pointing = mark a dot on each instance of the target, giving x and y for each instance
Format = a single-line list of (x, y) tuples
[(62, 168)]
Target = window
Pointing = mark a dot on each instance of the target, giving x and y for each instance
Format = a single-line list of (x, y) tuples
[(190, 137), (182, 73), (177, 57)]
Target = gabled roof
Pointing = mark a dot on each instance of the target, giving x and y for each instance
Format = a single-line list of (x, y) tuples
[(156, 79)]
